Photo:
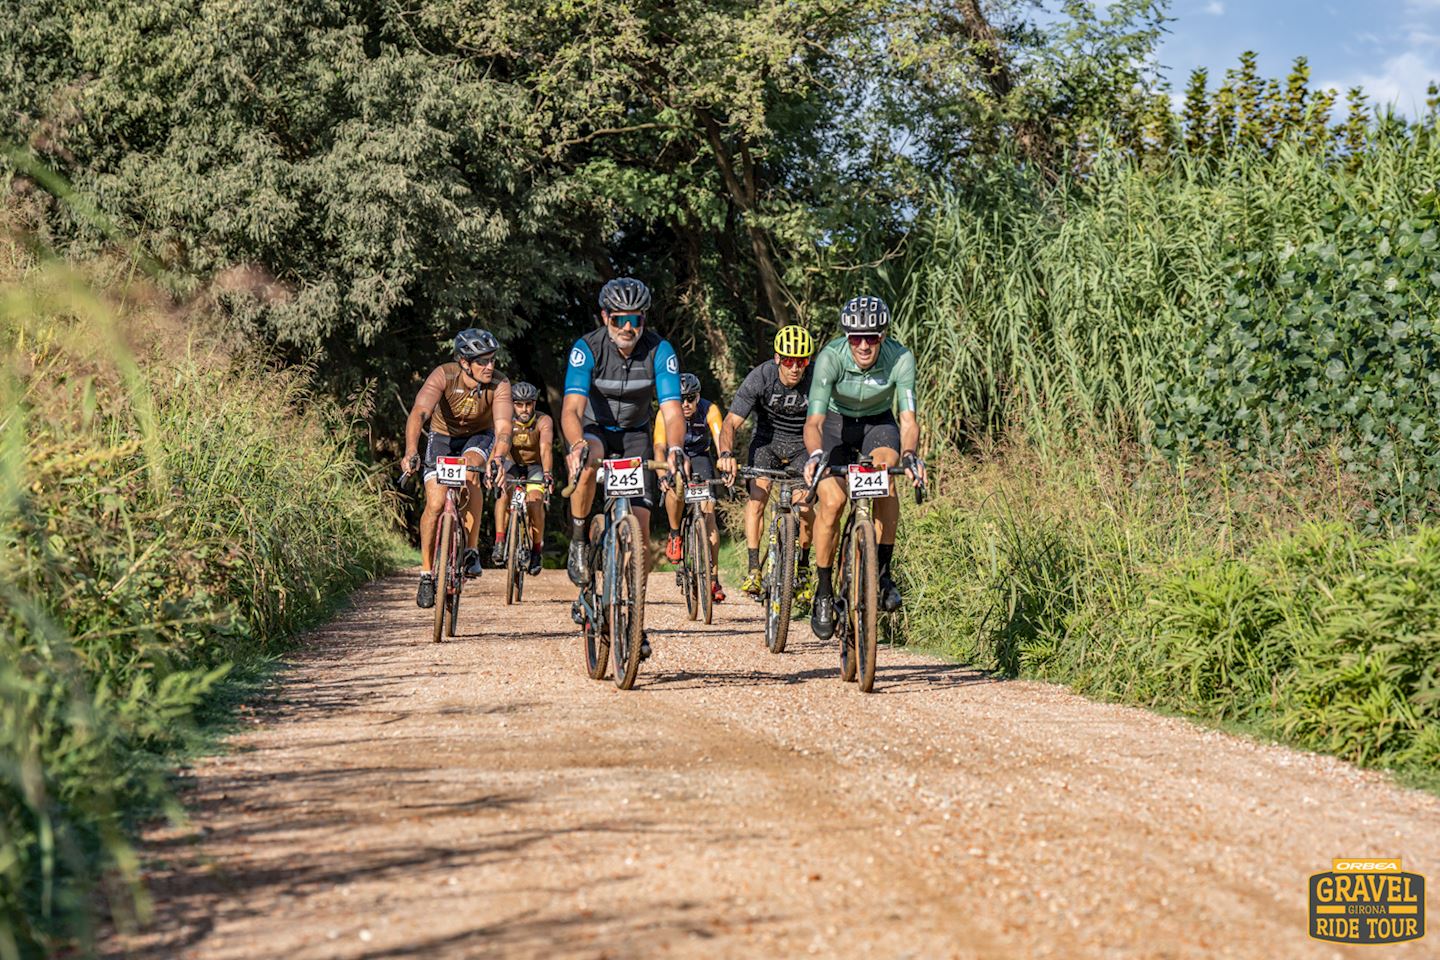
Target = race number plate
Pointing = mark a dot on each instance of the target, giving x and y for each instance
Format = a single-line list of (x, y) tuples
[(868, 482), (625, 478), (698, 493), (450, 471)]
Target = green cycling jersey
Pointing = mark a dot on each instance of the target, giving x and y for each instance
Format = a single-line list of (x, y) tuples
[(840, 386)]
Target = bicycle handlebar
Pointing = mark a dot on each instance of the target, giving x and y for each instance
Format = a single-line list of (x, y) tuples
[(826, 470), (653, 465)]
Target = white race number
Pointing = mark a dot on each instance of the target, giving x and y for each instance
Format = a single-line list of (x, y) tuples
[(625, 478), (868, 482), (698, 493), (450, 471)]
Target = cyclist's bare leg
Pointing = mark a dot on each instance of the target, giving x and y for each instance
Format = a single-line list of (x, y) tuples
[(832, 496), (474, 498), (434, 506), (583, 496), (674, 507), (502, 511), (712, 530), (807, 525), (887, 509), (755, 512), (535, 510)]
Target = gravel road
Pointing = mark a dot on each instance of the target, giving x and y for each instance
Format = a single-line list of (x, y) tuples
[(482, 797)]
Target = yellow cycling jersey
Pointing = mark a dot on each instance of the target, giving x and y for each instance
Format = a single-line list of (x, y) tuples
[(697, 444)]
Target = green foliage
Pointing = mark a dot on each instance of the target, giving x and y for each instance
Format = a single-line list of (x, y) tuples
[(1332, 342), (1230, 603), (164, 513)]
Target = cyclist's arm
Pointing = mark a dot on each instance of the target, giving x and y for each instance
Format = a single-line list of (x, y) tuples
[(577, 393), (821, 385), (547, 444), (674, 419), (430, 393), (728, 429), (712, 420), (658, 438), (667, 391), (502, 413)]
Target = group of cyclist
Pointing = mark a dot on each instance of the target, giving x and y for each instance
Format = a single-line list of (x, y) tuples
[(854, 399)]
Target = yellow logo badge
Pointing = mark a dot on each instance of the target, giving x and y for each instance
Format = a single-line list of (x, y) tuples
[(1367, 900)]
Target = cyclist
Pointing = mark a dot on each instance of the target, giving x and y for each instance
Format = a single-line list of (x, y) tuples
[(777, 392), (860, 378), (613, 372), (470, 413), (532, 445), (702, 429)]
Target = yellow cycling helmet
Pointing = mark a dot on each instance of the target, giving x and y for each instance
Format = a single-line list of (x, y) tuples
[(794, 341)]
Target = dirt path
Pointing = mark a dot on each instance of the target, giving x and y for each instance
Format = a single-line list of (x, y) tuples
[(478, 798)]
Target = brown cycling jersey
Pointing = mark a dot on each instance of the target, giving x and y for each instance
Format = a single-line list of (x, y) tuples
[(458, 411), (528, 437)]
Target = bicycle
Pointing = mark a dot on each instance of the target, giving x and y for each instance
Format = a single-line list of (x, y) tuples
[(696, 569), (611, 616), (518, 542), (778, 568), (858, 568), (446, 555)]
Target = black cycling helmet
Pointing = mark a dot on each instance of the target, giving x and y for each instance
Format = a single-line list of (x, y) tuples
[(689, 385), (625, 295), (523, 392), (473, 343), (865, 315)]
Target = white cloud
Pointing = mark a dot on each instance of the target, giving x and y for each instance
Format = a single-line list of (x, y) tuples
[(1401, 81), (1215, 8)]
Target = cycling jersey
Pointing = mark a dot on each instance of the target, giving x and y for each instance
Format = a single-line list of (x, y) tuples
[(527, 438), (779, 410), (619, 388), (842, 387), (700, 430), (460, 411)]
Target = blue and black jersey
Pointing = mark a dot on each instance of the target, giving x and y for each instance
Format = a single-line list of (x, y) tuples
[(618, 388)]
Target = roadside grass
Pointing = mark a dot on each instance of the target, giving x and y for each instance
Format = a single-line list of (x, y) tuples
[(169, 515), (1257, 605)]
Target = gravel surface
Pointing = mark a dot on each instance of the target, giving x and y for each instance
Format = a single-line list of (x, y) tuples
[(482, 797)]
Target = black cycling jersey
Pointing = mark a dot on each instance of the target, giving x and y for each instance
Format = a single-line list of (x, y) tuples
[(618, 389), (779, 410)]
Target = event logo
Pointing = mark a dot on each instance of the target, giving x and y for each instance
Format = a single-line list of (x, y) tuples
[(577, 357), (671, 364), (1367, 900)]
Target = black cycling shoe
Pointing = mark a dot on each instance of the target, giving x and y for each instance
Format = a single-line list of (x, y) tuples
[(425, 596), (576, 563), (471, 563), (536, 563), (497, 553), (889, 595), (822, 618), (644, 647)]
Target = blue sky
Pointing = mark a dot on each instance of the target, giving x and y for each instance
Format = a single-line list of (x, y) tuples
[(1390, 47)]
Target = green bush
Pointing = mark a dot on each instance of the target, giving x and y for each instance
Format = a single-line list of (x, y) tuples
[(1232, 606), (164, 513)]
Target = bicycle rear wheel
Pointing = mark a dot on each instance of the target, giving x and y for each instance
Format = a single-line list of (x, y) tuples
[(780, 584), (514, 576), (863, 605), (627, 601), (444, 532), (689, 578), (700, 545)]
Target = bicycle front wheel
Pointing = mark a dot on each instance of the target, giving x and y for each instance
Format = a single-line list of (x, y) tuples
[(780, 584), (627, 600), (700, 545), (513, 574), (689, 576), (863, 607), (444, 533)]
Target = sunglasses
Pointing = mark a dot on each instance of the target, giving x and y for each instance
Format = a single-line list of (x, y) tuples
[(690, 398), (627, 319), (868, 339), (485, 361), (792, 363)]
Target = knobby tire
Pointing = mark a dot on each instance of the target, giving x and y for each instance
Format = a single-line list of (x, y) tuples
[(844, 626), (703, 574), (627, 608), (780, 592), (514, 575), (440, 568), (864, 603), (688, 576)]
